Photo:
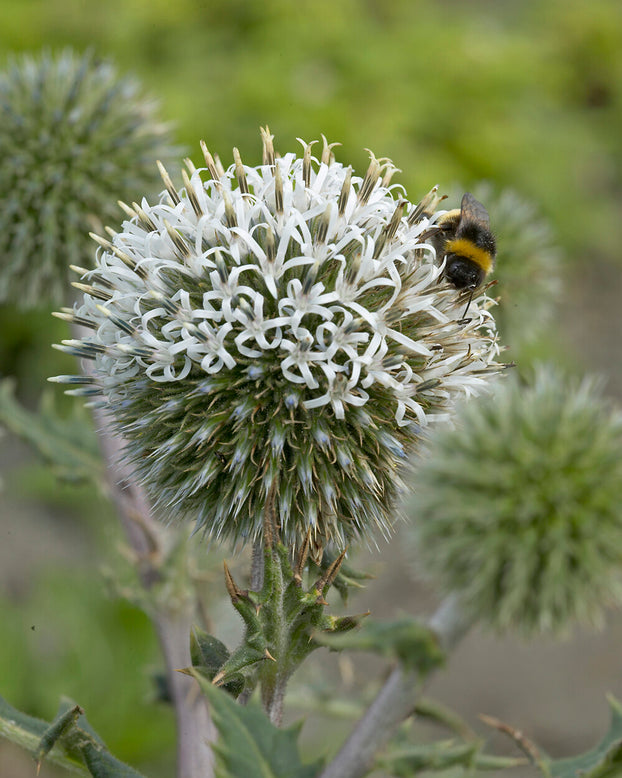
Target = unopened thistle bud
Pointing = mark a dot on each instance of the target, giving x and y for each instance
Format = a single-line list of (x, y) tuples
[(278, 330), (517, 508), (74, 138)]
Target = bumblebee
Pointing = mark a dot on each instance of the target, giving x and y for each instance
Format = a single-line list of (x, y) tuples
[(466, 243)]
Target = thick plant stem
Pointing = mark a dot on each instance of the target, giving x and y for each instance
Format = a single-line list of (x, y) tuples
[(274, 675), (195, 729), (274, 708), (257, 566), (395, 701)]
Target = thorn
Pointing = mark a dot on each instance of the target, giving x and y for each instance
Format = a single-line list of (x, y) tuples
[(269, 655), (329, 576), (270, 529), (301, 558), (184, 671), (233, 589), (218, 678)]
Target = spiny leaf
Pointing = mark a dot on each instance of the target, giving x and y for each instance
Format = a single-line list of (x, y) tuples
[(603, 761), (442, 755), (408, 640), (59, 727), (209, 655), (207, 651), (64, 742), (66, 442), (102, 764), (250, 746), (347, 578), (27, 731)]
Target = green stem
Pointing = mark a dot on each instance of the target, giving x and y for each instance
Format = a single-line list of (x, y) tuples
[(275, 674)]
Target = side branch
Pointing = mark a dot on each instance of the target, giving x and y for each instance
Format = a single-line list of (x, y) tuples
[(395, 701)]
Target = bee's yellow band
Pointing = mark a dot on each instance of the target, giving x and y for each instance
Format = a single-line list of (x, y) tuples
[(466, 248)]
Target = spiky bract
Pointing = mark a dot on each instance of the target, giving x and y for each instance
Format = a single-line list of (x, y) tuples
[(280, 329), (74, 137), (517, 508)]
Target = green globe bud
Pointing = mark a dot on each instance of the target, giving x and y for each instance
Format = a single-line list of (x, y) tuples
[(517, 508), (74, 137), (278, 330)]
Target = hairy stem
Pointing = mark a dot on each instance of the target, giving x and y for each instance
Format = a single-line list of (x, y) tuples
[(257, 566), (274, 675), (395, 701)]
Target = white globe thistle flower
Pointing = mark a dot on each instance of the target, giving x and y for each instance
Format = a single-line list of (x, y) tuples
[(281, 329)]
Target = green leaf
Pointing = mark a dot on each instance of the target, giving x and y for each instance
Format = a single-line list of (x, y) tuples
[(250, 746), (102, 764), (59, 727), (209, 655), (604, 761), (207, 651), (27, 731), (64, 742), (442, 755), (67, 443), (407, 639)]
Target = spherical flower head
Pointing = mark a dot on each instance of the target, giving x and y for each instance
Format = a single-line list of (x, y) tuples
[(278, 330), (74, 136), (517, 508)]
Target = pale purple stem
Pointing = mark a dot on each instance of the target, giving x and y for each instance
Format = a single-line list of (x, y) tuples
[(395, 701), (195, 730)]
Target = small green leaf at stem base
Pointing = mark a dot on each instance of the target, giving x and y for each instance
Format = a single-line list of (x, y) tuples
[(249, 745)]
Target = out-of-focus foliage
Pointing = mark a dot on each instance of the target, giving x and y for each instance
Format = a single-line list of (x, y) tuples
[(67, 443), (68, 740), (603, 761), (64, 637), (528, 267), (75, 137), (516, 508), (527, 94)]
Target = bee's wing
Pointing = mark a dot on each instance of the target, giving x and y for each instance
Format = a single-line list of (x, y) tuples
[(472, 210)]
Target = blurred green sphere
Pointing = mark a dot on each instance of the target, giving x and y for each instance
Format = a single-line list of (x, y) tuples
[(74, 138), (517, 509)]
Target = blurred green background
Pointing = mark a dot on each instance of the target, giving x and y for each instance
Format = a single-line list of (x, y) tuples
[(523, 94)]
